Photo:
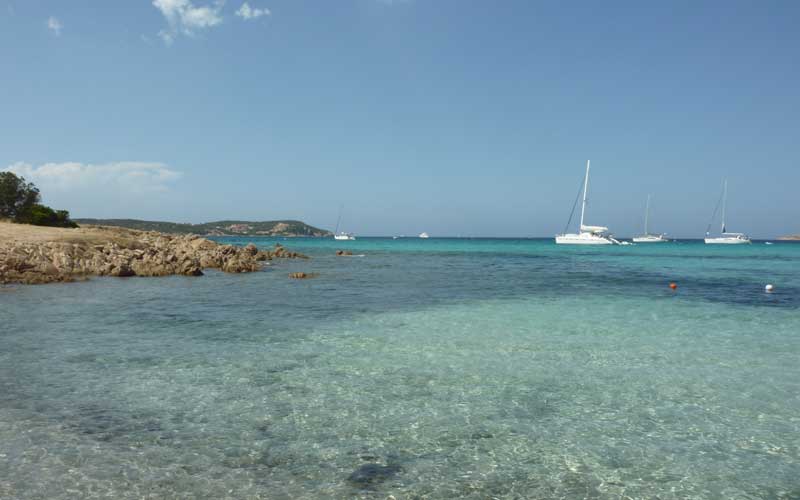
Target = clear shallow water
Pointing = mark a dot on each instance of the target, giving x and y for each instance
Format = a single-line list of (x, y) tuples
[(464, 368)]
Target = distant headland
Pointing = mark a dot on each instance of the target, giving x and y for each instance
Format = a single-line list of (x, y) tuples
[(289, 228), (790, 237)]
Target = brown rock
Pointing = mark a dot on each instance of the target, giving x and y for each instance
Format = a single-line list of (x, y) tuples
[(302, 276), (118, 252), (122, 271)]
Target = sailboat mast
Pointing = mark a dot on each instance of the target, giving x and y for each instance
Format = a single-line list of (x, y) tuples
[(338, 220), (646, 215), (585, 189), (724, 201)]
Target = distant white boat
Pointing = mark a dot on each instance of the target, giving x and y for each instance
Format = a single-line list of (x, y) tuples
[(768, 243), (647, 237), (729, 239), (341, 235), (587, 235), (424, 235), (725, 238)]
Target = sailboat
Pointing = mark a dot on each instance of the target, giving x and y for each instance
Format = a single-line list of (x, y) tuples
[(725, 238), (587, 235), (341, 235), (647, 237)]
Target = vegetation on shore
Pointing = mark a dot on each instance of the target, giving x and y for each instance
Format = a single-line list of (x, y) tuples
[(217, 228), (19, 202)]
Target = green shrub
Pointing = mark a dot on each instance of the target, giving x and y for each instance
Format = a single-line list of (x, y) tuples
[(41, 215)]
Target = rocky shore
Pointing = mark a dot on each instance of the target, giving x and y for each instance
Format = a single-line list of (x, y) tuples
[(32, 255)]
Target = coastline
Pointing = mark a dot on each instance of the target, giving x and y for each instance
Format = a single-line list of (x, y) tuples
[(38, 255)]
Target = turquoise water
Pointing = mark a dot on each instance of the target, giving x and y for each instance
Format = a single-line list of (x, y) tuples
[(436, 368)]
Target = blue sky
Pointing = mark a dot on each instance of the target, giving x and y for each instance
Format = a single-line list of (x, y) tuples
[(454, 117)]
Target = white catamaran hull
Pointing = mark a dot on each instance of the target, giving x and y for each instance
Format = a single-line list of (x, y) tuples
[(583, 239), (344, 237)]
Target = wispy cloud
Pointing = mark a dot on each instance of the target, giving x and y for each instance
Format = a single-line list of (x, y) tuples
[(246, 12), (106, 190), (54, 25), (139, 177), (185, 18)]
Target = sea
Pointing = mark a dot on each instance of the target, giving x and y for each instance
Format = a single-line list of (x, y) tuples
[(419, 369)]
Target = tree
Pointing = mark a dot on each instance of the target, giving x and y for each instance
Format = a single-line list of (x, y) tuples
[(16, 196), (19, 201)]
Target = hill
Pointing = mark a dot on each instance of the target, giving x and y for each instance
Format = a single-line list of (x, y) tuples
[(217, 228)]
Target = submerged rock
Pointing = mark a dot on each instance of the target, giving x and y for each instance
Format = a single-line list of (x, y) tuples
[(372, 474), (343, 252), (302, 276), (482, 435)]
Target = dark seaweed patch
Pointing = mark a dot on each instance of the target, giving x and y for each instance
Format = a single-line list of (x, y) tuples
[(372, 474), (106, 424)]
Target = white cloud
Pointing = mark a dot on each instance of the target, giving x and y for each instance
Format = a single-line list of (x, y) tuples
[(184, 17), (247, 12), (167, 36), (107, 190), (129, 177), (54, 25)]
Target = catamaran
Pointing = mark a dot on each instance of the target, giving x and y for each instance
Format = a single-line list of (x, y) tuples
[(587, 235), (341, 235), (725, 238), (647, 237)]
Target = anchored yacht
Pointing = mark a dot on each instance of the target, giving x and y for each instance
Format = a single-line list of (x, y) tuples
[(587, 235), (647, 237), (337, 235), (725, 238)]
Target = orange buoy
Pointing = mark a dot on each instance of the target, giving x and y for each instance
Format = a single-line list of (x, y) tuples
[(673, 286)]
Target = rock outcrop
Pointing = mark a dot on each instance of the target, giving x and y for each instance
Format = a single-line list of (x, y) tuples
[(281, 253), (126, 253)]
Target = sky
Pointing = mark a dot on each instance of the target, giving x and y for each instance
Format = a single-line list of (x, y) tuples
[(455, 117)]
